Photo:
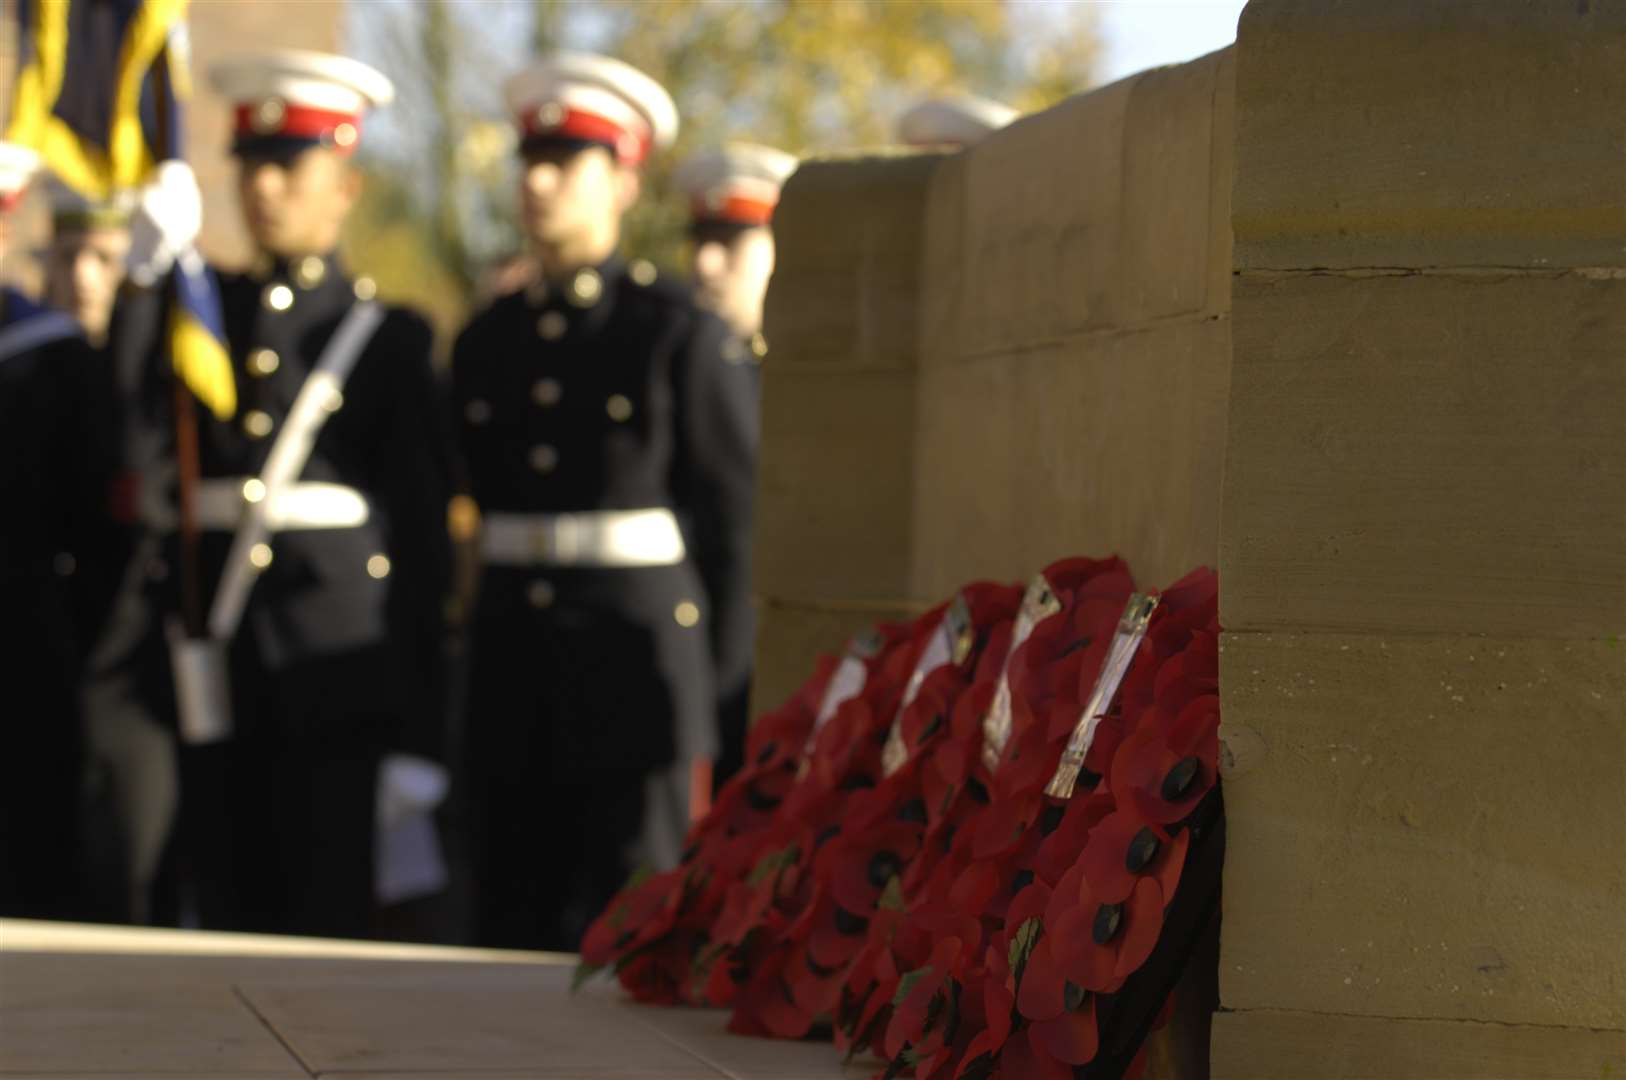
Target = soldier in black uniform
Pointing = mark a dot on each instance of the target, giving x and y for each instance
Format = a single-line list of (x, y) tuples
[(334, 664), (57, 454), (732, 192), (610, 448)]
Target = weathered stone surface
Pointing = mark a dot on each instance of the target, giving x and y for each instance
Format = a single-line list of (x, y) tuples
[(1176, 199), (1106, 443), (1428, 453), (791, 637), (1425, 827), (834, 483), (849, 235), (1272, 1045), (1431, 133)]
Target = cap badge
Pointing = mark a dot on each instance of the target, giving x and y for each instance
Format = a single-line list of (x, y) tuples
[(268, 116)]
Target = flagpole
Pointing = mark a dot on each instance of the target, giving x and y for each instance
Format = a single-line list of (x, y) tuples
[(184, 407)]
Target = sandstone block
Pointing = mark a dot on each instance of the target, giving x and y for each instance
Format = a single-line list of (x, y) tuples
[(849, 234), (1431, 133), (1428, 453), (1098, 445), (1273, 1045), (1425, 826), (834, 485)]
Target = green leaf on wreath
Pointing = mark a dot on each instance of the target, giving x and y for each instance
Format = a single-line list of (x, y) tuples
[(771, 864), (583, 972), (891, 896), (907, 983), (1026, 937)]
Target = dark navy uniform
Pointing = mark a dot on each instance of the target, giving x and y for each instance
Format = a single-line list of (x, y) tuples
[(338, 656), (57, 453), (599, 654)]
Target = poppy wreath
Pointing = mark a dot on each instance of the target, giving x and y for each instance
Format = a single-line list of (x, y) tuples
[(1086, 891), (653, 929), (862, 832)]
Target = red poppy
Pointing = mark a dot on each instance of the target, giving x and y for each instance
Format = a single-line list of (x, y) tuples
[(860, 866), (638, 915), (1100, 944), (1164, 769), (916, 1018), (1123, 848)]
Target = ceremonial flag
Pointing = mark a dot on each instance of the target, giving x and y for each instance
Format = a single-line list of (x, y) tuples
[(97, 97)]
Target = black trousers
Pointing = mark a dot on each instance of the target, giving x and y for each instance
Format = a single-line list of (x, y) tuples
[(277, 834)]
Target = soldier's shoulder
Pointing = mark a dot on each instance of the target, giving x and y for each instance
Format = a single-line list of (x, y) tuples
[(648, 284)]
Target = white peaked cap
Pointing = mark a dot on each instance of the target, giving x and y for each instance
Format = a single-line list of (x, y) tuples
[(568, 94), (953, 121), (737, 180), (299, 77), (17, 166)]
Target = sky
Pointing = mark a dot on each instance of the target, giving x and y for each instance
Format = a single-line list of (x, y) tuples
[(1146, 33)]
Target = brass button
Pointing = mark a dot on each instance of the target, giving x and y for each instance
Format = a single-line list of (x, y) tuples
[(263, 362), (540, 593), (544, 458), (257, 424), (547, 392), (619, 408), (585, 288), (309, 272), (334, 401), (550, 115), (477, 411), (378, 566), (365, 288), (278, 298), (643, 272), (260, 556), (268, 116), (551, 326), (344, 136), (687, 614), (759, 345), (253, 490)]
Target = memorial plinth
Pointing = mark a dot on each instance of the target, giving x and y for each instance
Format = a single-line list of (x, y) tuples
[(82, 1001)]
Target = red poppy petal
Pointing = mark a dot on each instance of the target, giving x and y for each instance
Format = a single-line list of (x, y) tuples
[(1071, 1037), (1022, 1060), (1069, 893), (1030, 903), (1105, 857), (974, 888), (1043, 992), (1143, 918)]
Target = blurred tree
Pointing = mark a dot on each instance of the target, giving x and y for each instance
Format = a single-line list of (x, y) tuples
[(805, 75)]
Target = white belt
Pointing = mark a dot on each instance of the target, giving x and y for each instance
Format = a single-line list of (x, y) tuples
[(591, 538), (308, 505)]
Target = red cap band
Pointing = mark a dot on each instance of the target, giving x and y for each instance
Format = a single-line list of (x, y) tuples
[(566, 123), (10, 199), (735, 210), (276, 119)]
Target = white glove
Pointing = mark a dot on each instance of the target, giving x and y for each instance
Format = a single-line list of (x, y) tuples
[(408, 862), (167, 219), (408, 785)]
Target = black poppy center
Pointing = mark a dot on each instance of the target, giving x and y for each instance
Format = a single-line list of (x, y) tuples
[(883, 867), (759, 801), (1050, 820), (913, 811), (1180, 778), (767, 752), (1142, 850), (1075, 996), (1108, 918), (850, 924), (1023, 879), (857, 782)]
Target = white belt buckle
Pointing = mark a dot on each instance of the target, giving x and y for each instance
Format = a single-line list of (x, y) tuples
[(541, 548)]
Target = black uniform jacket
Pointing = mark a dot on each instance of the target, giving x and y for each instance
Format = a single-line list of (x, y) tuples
[(57, 563), (610, 391), (336, 631)]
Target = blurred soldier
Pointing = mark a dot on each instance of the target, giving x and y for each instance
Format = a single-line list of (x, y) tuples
[(56, 460), (610, 447), (84, 262), (952, 121), (321, 506), (732, 192)]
